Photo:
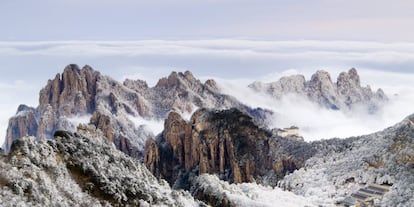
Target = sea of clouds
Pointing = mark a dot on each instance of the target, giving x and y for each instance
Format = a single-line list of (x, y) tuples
[(316, 122), (235, 63)]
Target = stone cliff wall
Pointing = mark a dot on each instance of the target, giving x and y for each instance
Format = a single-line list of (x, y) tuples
[(227, 143)]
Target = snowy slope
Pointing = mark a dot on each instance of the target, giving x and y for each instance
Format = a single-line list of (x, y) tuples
[(338, 170), (247, 194), (77, 170)]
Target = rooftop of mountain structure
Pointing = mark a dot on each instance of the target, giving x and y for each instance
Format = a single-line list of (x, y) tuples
[(366, 196), (291, 132), (346, 93)]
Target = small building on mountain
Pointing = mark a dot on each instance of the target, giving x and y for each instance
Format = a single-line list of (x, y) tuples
[(291, 131)]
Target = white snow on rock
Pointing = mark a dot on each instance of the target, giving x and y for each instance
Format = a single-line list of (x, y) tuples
[(250, 194), (80, 170), (341, 169)]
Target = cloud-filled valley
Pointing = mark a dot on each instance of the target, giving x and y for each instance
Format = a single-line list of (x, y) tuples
[(316, 122), (207, 103)]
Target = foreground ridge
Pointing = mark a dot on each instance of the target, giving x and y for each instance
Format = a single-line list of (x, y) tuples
[(80, 170), (339, 174)]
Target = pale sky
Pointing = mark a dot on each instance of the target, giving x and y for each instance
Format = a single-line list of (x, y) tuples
[(233, 39), (368, 20)]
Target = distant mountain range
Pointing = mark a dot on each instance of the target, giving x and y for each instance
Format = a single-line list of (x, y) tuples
[(84, 116), (115, 107), (121, 109), (343, 94)]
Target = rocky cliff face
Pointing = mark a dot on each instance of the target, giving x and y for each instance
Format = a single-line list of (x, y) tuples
[(227, 143), (69, 94), (345, 93), (121, 109), (23, 124), (118, 109)]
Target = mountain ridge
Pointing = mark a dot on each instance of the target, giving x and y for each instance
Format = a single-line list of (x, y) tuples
[(345, 93), (111, 105)]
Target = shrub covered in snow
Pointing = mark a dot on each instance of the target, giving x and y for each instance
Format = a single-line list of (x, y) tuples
[(79, 170)]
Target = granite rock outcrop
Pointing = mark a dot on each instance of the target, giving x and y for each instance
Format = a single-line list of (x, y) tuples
[(227, 143), (69, 94), (120, 110)]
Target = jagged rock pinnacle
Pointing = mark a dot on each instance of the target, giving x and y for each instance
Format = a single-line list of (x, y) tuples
[(226, 143), (115, 108)]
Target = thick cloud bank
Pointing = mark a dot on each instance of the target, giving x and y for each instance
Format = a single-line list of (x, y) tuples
[(26, 66), (318, 122)]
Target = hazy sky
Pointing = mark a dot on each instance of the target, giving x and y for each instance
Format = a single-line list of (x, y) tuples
[(379, 20), (233, 40)]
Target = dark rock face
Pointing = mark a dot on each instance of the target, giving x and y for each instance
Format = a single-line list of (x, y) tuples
[(227, 143), (344, 94), (71, 93)]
